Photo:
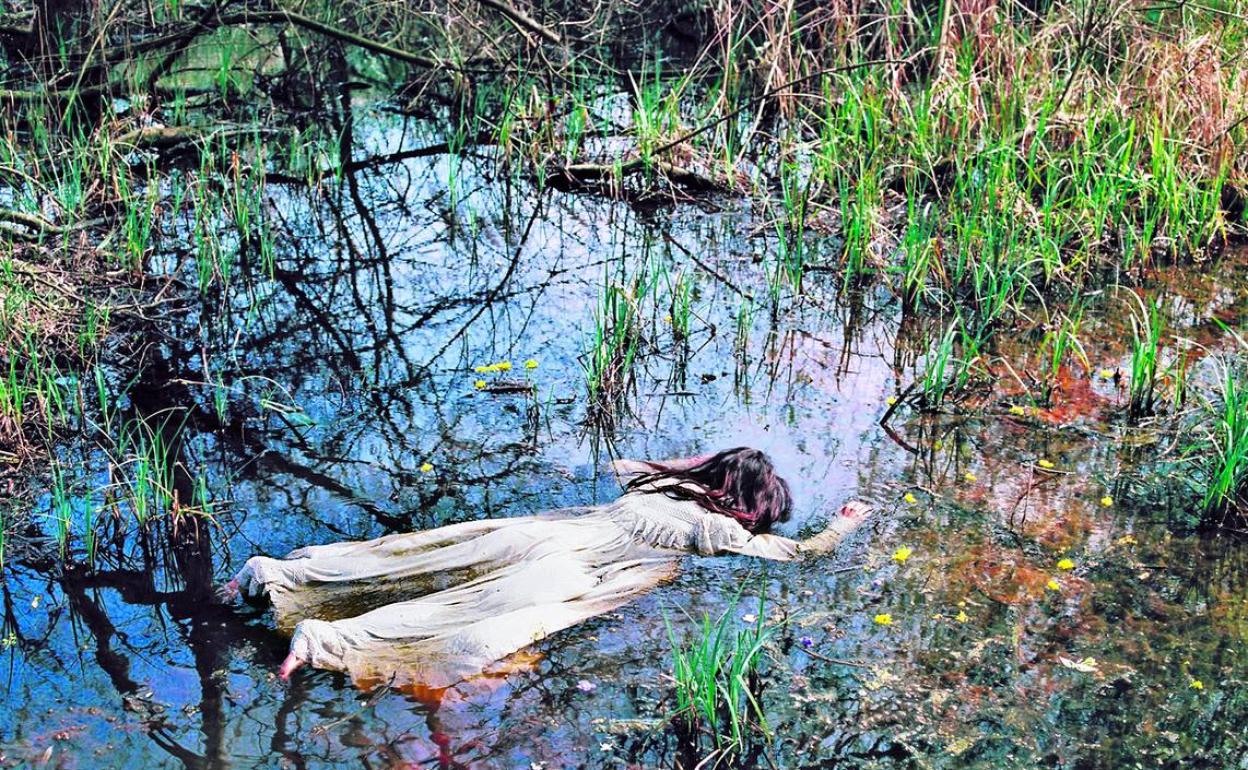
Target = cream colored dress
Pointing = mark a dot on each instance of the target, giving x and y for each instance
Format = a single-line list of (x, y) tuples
[(449, 602)]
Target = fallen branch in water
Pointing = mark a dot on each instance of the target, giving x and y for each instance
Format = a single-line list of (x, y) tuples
[(837, 661), (171, 136), (337, 33), (521, 19), (595, 175)]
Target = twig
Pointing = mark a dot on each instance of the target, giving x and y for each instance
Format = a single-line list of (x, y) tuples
[(837, 661), (299, 20), (523, 20), (325, 727)]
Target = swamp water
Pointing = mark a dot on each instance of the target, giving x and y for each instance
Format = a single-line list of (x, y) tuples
[(1000, 613)]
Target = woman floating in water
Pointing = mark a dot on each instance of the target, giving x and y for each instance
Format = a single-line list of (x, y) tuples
[(453, 600)]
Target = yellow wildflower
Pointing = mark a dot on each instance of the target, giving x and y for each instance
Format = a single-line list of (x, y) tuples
[(938, 445), (910, 498), (503, 366), (1197, 684), (531, 363), (481, 369), (970, 477), (1126, 540), (1107, 373), (1066, 564), (426, 467), (890, 400), (1046, 464), (962, 617), (884, 619), (1052, 585), (479, 384), (1107, 501), (1018, 410), (902, 553)]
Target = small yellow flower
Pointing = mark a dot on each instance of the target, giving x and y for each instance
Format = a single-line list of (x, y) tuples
[(426, 467), (1018, 410), (962, 617), (1052, 585), (902, 553), (938, 445), (479, 384), (1107, 501), (531, 363), (1197, 684), (667, 319), (890, 400), (1066, 564), (970, 477), (1107, 373), (910, 498), (1126, 540), (481, 369), (1046, 464), (503, 366), (883, 619)]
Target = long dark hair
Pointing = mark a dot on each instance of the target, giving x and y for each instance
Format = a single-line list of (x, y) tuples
[(740, 483)]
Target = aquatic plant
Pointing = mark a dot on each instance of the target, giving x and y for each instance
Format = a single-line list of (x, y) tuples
[(1223, 472), (614, 346), (1146, 327), (715, 683)]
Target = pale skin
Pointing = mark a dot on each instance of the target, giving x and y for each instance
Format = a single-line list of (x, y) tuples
[(851, 515)]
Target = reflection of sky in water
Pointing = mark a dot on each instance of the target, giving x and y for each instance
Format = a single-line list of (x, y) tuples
[(371, 327)]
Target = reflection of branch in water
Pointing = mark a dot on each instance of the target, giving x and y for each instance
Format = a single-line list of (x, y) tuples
[(492, 295), (117, 667)]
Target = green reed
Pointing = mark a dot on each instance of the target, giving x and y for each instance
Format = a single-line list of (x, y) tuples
[(1221, 454), (680, 308), (1146, 329), (1060, 342), (147, 466), (615, 344), (62, 510), (714, 678)]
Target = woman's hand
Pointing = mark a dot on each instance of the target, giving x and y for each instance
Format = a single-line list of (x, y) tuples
[(852, 516)]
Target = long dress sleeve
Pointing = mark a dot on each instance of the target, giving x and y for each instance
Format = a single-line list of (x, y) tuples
[(726, 535), (720, 534)]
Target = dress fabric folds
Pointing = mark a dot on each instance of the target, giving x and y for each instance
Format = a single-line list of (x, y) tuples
[(446, 603)]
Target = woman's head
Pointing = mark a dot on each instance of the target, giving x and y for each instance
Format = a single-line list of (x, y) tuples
[(741, 483)]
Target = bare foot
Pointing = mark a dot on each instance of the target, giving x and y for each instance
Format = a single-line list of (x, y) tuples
[(229, 591), (289, 665)]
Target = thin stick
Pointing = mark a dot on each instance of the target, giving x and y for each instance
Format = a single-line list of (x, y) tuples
[(837, 661)]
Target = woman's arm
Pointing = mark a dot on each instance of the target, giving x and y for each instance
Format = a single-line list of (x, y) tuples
[(778, 548), (624, 467), (852, 516)]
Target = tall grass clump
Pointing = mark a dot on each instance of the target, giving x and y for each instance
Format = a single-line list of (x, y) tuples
[(614, 346), (1146, 328), (1222, 452), (715, 677)]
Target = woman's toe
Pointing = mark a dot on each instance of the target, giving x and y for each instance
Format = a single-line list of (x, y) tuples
[(229, 591), (292, 662)]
